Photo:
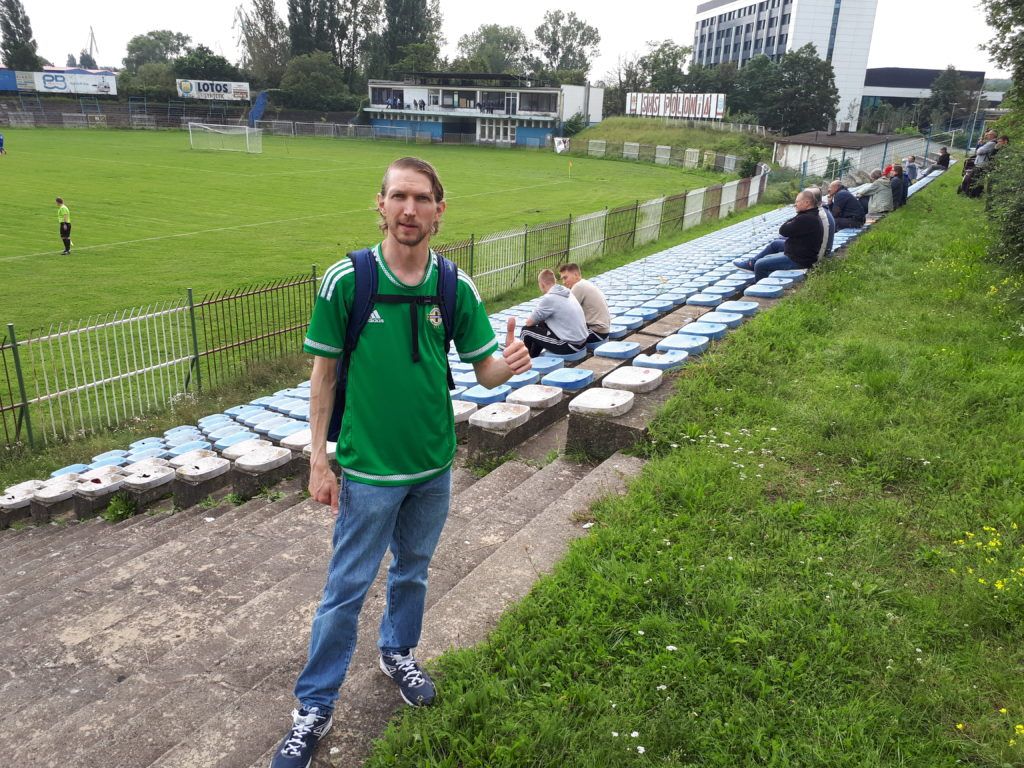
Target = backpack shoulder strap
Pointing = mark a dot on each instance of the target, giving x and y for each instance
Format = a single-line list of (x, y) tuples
[(365, 266), (447, 295)]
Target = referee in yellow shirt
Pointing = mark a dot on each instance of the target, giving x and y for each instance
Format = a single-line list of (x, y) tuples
[(64, 217)]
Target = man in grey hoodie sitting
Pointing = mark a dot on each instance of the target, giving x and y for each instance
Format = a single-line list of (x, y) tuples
[(558, 323)]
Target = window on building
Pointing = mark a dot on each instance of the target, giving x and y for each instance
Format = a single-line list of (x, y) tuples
[(770, 41), (749, 28), (785, 18), (760, 24), (782, 40), (773, 21), (538, 102)]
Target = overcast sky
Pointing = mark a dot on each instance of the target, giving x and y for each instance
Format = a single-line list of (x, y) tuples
[(917, 33)]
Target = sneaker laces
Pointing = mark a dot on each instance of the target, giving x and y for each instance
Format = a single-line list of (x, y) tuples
[(296, 740), (411, 673)]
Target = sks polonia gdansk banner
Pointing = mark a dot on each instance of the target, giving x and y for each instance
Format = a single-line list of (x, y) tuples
[(686, 106), (221, 90)]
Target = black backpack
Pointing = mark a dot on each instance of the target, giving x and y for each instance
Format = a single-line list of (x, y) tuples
[(366, 297)]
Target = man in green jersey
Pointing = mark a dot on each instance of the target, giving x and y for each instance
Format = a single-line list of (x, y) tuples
[(396, 446), (64, 219)]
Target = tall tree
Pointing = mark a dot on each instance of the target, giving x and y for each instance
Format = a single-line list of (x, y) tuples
[(314, 81), (807, 98), (756, 86), (625, 77), (72, 62), (361, 20), (86, 60), (949, 97), (18, 47), (315, 25), (160, 45), (1006, 17), (566, 42), (200, 63), (663, 66), (408, 22), (494, 48), (263, 38)]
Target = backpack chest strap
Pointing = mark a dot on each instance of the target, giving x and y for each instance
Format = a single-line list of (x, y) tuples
[(414, 316)]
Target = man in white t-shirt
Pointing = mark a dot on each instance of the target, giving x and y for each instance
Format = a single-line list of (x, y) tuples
[(557, 323), (595, 306)]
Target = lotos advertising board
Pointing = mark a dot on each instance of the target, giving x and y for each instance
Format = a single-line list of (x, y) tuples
[(212, 89), (687, 106)]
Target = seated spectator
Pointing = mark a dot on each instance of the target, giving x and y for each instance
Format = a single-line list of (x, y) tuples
[(910, 168), (879, 194), (898, 184), (804, 241), (969, 181), (595, 306), (558, 322), (846, 209), (827, 219), (985, 149), (941, 162)]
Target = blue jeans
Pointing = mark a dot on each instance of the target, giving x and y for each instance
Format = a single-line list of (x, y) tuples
[(768, 264), (406, 518)]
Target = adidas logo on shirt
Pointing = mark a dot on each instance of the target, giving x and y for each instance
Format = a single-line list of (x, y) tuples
[(375, 317)]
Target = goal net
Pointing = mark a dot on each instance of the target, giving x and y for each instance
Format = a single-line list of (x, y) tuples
[(232, 138)]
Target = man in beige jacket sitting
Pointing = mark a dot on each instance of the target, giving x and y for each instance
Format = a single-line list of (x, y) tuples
[(595, 307)]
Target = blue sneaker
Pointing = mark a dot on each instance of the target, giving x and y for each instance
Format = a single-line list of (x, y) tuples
[(308, 727), (414, 684)]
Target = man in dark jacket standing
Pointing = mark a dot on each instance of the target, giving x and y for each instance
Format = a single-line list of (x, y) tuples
[(847, 210)]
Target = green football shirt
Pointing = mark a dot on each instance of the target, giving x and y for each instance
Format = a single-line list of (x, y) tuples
[(398, 427), (63, 211)]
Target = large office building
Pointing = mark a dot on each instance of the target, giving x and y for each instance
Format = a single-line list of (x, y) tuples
[(738, 30)]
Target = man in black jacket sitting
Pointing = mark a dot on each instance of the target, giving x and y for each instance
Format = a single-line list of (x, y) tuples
[(846, 209), (804, 240)]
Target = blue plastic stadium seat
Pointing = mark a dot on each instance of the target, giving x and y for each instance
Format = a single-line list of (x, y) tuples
[(110, 461), (227, 442), (300, 412), (728, 319), (546, 364), (704, 300), (79, 468), (146, 442), (764, 291), (464, 379), (629, 322), (708, 330), (457, 392), (179, 430), (684, 342), (241, 410), (483, 396), (569, 378), (570, 358), (796, 274), (158, 452), (118, 454), (280, 433), (183, 437), (644, 313), (618, 350), (225, 431), (266, 427), (195, 445), (522, 379), (746, 308)]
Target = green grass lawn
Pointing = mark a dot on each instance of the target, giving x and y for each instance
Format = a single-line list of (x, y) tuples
[(823, 563), (151, 217)]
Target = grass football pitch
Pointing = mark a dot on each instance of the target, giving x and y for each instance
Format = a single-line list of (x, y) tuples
[(151, 217)]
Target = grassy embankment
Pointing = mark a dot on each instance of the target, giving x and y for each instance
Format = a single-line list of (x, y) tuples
[(822, 564)]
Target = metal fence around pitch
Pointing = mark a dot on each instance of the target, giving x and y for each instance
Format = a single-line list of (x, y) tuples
[(81, 377), (105, 371)]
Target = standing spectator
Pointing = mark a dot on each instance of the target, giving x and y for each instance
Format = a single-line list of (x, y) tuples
[(846, 209), (64, 219), (396, 445), (558, 322), (595, 306)]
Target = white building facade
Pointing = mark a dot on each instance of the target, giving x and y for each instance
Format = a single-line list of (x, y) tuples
[(738, 30)]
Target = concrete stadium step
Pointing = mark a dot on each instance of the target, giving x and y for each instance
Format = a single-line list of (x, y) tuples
[(95, 623), (136, 647), (72, 535), (97, 550), (463, 616), (259, 716), (120, 697)]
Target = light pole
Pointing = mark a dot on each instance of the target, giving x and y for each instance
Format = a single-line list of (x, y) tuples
[(952, 112)]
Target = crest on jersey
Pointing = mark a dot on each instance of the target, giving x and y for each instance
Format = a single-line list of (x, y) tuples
[(435, 317)]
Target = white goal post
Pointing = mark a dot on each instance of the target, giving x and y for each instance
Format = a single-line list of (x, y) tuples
[(232, 138)]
